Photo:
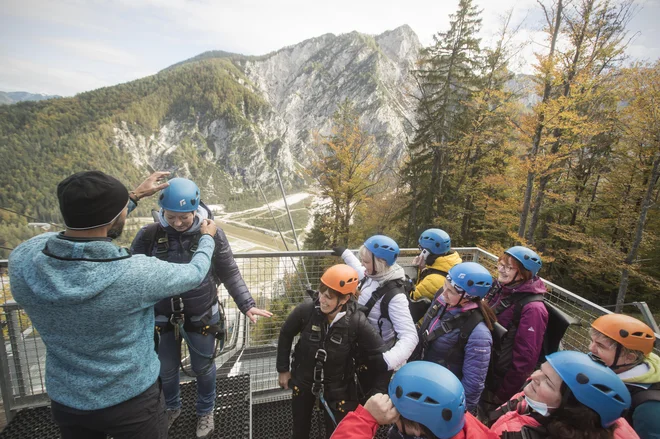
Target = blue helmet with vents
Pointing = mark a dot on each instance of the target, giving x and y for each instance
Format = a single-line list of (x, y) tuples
[(383, 247), (527, 257), (593, 384), (436, 241), (470, 277), (182, 195), (429, 394)]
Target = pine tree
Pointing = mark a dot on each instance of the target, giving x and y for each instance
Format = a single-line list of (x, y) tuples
[(448, 75)]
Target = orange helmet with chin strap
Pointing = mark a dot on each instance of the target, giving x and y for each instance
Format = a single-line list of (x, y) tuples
[(627, 331), (341, 278)]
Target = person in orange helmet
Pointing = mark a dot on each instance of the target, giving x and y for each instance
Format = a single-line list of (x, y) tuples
[(625, 345), (331, 328)]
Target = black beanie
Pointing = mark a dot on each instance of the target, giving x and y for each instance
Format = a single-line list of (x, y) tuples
[(91, 199)]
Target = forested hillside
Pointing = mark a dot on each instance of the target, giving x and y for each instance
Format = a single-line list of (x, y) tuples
[(573, 172)]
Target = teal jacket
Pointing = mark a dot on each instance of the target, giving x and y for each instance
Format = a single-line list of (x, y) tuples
[(92, 304), (646, 416)]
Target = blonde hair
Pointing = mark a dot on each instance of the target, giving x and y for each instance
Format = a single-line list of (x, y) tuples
[(380, 265)]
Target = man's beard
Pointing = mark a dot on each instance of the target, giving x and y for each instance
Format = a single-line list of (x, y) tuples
[(116, 229)]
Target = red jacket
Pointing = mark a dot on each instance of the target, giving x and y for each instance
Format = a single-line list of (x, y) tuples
[(361, 425), (514, 421)]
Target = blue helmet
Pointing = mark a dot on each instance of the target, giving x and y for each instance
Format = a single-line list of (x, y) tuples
[(436, 241), (429, 394), (182, 195), (593, 384), (471, 277), (383, 247), (527, 257)]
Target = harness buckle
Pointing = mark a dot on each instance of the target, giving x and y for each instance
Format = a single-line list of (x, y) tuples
[(445, 327), (177, 305), (321, 355)]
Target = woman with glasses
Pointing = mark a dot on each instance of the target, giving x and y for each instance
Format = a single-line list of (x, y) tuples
[(456, 330), (517, 300)]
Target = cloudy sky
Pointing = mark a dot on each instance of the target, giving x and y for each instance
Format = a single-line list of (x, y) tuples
[(68, 46)]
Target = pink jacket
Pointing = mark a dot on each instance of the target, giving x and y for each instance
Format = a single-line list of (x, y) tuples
[(514, 421), (529, 337)]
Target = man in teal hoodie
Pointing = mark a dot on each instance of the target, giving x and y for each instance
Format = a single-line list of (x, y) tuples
[(92, 303)]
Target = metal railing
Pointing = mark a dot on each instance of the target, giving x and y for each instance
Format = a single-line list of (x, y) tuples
[(278, 284)]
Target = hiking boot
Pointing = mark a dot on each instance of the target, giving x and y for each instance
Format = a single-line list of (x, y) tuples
[(171, 416), (205, 425)]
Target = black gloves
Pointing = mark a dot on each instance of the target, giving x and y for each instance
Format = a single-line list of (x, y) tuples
[(376, 363), (338, 251)]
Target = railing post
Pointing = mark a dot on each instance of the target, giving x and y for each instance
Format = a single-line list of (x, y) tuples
[(14, 330), (5, 380)]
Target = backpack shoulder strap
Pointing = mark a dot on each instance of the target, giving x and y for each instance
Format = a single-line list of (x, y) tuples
[(644, 395), (430, 270), (520, 304), (155, 236), (446, 326), (379, 292), (393, 287), (473, 318)]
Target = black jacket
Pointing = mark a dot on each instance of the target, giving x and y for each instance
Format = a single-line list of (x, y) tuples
[(351, 337), (200, 299)]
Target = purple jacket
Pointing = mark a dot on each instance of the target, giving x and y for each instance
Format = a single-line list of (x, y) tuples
[(529, 337)]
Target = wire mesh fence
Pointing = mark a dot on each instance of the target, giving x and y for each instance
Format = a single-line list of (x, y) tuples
[(278, 282)]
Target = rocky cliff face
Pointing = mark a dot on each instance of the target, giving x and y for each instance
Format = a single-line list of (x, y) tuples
[(301, 86)]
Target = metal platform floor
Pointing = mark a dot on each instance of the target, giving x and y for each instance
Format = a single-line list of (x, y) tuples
[(234, 410)]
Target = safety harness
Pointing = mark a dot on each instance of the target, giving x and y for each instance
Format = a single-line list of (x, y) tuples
[(155, 238), (465, 322)]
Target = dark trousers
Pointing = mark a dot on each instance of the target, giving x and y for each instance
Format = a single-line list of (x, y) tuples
[(372, 383), (303, 404), (142, 417)]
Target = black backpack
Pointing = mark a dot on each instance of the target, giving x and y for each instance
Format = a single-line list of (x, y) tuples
[(387, 291), (503, 338)]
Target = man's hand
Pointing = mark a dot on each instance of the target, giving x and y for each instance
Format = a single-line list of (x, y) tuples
[(381, 408), (338, 251), (254, 312), (151, 185), (283, 380), (208, 227)]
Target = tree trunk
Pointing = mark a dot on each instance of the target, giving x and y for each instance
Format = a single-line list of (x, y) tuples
[(538, 131), (632, 254)]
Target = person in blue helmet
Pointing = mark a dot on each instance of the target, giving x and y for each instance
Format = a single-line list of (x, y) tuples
[(193, 315), (517, 300), (456, 330), (434, 262), (570, 396), (384, 301), (425, 400)]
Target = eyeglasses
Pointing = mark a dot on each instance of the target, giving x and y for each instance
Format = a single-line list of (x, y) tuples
[(505, 268)]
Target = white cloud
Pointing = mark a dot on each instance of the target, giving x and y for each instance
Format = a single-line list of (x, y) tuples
[(94, 51), (20, 74)]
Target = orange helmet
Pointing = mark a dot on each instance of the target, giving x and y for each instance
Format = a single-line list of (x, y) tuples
[(627, 331), (341, 278)]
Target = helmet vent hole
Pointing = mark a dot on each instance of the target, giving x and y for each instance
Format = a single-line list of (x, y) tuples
[(399, 392), (342, 283), (437, 244), (414, 395), (582, 379), (623, 333), (193, 201), (470, 283), (161, 196), (447, 414), (526, 257), (430, 401), (376, 245)]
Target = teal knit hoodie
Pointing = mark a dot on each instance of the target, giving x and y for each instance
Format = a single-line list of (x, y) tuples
[(92, 305)]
